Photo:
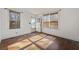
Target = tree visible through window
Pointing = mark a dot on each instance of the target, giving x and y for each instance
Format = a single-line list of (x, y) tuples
[(14, 20)]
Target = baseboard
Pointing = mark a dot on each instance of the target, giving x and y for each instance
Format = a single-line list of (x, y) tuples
[(13, 36), (59, 36)]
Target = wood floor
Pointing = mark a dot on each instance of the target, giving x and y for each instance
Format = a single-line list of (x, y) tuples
[(38, 41)]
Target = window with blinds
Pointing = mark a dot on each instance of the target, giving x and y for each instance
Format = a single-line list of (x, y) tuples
[(14, 20), (50, 21)]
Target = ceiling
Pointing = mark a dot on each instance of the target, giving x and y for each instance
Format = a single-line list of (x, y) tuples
[(36, 11)]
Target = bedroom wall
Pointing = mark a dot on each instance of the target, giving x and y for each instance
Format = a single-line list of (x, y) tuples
[(0, 26), (0, 30), (24, 29), (68, 24)]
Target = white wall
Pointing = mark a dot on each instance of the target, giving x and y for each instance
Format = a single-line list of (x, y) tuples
[(0, 30), (68, 24), (0, 26), (6, 32)]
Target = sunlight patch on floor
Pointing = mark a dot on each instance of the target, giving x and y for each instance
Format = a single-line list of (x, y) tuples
[(32, 47), (35, 38), (19, 45), (44, 43)]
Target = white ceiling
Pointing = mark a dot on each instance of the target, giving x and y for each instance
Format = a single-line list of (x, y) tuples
[(36, 11)]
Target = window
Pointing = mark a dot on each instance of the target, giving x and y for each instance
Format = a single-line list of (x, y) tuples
[(50, 21), (54, 21), (14, 20), (33, 22), (46, 21)]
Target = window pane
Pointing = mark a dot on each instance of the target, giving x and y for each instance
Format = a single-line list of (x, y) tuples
[(14, 20)]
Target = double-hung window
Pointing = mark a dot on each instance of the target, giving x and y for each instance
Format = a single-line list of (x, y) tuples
[(14, 20)]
